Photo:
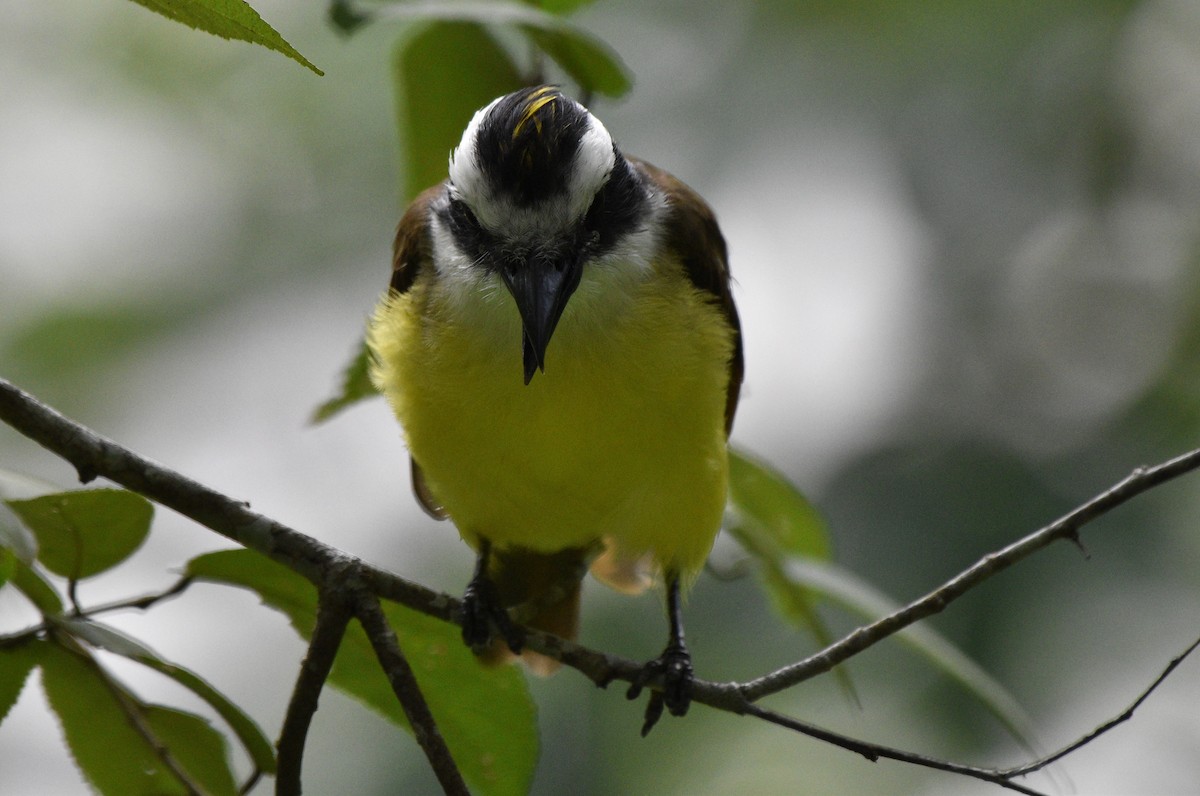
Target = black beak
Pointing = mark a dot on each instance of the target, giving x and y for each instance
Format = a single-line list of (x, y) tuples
[(541, 286)]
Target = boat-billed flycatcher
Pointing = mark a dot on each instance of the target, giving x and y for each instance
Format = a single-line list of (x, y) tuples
[(549, 250)]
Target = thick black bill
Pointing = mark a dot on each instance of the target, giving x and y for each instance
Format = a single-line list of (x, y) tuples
[(541, 288)]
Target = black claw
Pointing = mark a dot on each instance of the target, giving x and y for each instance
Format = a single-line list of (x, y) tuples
[(654, 709), (482, 614), (674, 668)]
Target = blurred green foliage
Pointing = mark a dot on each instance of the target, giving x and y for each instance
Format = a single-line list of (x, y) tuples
[(1044, 156)]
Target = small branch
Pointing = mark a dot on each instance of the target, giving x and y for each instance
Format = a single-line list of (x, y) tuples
[(1037, 765), (875, 752), (140, 603), (73, 596), (333, 614), (404, 685), (250, 782), (1140, 480), (93, 455)]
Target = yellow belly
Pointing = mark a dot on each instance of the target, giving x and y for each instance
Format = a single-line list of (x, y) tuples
[(622, 437)]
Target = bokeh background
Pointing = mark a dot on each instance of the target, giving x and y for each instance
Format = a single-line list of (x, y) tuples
[(965, 239)]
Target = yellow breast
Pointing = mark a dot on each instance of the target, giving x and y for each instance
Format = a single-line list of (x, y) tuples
[(622, 436)]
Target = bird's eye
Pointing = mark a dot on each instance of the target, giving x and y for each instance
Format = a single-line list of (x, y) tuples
[(461, 214)]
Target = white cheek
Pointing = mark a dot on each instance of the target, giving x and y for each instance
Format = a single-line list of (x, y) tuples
[(463, 279)]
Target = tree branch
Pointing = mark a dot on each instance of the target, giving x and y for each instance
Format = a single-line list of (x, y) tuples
[(141, 603), (1067, 527), (1037, 765), (875, 752), (408, 692), (93, 455), (333, 614)]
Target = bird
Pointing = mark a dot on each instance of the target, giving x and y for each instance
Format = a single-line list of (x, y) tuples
[(561, 347)]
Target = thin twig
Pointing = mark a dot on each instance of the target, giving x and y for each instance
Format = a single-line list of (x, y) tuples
[(1067, 527), (875, 752), (408, 692), (1036, 765), (141, 603), (333, 614), (251, 781)]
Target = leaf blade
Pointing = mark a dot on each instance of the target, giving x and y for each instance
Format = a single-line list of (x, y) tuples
[(30, 581), (16, 662), (355, 385), (771, 514), (85, 532), (587, 59), (196, 745), (229, 19), (109, 752), (15, 538), (251, 736)]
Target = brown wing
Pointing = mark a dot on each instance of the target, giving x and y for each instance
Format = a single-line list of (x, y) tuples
[(692, 231), (410, 253), (412, 247)]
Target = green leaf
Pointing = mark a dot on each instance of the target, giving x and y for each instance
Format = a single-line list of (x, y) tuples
[(229, 19), (275, 584), (356, 385), (8, 565), (855, 595), (774, 522), (30, 581), (590, 62), (15, 538), (251, 736), (562, 6), (96, 714), (248, 732), (105, 637), (443, 73), (198, 748), (86, 532), (485, 714), (771, 514), (16, 662)]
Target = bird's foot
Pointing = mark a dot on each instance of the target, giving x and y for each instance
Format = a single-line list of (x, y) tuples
[(483, 617), (674, 668)]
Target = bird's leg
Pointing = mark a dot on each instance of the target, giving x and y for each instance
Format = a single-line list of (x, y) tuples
[(482, 610), (674, 666)]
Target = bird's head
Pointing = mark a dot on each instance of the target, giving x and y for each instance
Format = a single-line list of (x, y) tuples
[(537, 189)]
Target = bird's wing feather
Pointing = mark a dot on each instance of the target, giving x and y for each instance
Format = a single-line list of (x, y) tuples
[(410, 253), (412, 248)]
